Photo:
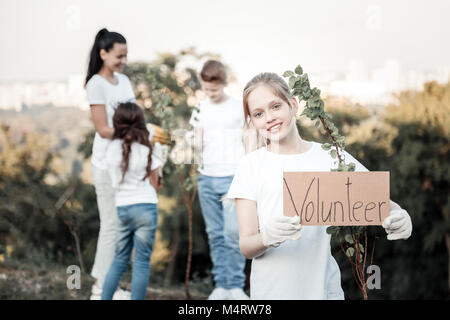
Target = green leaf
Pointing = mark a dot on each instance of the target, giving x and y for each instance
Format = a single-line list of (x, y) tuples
[(348, 238), (326, 146), (288, 74), (317, 124), (335, 131), (342, 166), (333, 154), (299, 70), (292, 81), (332, 230), (350, 252)]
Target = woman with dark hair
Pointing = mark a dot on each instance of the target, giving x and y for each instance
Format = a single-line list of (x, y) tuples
[(105, 88), (133, 169)]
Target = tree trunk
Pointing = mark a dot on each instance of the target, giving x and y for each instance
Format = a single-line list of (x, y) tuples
[(173, 257)]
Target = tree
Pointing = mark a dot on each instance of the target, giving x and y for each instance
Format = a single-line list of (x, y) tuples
[(32, 214), (422, 162)]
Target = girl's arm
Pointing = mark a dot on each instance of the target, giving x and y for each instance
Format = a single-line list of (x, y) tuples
[(98, 113), (250, 240), (156, 178)]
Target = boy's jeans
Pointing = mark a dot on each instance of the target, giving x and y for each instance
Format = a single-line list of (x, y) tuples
[(223, 233), (136, 228)]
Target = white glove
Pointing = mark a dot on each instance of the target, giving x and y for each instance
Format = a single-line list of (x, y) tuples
[(279, 229), (398, 225), (161, 152)]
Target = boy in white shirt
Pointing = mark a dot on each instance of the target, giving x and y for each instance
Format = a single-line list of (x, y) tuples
[(218, 127)]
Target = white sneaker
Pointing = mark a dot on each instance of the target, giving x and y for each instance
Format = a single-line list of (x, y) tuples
[(122, 295), (96, 293), (237, 294), (218, 294)]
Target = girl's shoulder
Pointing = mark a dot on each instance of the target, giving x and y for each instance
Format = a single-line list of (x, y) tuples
[(115, 148), (94, 81), (140, 149)]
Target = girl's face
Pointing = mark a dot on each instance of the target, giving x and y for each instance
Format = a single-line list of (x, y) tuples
[(271, 115), (115, 58)]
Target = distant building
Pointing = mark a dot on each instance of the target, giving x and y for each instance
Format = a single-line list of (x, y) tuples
[(374, 87), (69, 93)]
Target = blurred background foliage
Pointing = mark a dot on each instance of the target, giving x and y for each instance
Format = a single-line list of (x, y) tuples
[(49, 221)]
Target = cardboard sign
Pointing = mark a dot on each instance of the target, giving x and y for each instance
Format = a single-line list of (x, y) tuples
[(337, 198)]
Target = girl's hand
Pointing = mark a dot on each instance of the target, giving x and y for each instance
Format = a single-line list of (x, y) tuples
[(156, 179), (279, 229), (398, 225)]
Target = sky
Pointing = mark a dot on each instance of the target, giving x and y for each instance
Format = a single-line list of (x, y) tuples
[(51, 39)]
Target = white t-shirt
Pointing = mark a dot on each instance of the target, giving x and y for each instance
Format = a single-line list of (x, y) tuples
[(101, 91), (133, 189), (298, 269), (222, 125)]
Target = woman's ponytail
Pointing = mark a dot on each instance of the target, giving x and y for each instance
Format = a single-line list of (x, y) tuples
[(103, 40)]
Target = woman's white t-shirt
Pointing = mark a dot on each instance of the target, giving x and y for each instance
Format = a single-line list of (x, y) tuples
[(133, 189), (298, 269), (101, 91)]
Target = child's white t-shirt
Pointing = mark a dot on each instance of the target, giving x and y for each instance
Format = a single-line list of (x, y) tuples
[(302, 269), (222, 125), (101, 91), (133, 189)]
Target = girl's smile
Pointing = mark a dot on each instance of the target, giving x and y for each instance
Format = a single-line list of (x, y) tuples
[(275, 127)]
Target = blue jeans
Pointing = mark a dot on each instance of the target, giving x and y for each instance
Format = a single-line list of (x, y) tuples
[(136, 227), (223, 233)]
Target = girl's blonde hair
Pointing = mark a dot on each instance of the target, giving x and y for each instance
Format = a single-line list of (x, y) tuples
[(251, 138)]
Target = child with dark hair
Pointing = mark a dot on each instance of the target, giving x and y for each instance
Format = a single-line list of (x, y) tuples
[(133, 170)]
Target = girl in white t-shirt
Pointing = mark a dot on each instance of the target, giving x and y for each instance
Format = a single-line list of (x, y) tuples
[(133, 171), (289, 261), (105, 88)]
